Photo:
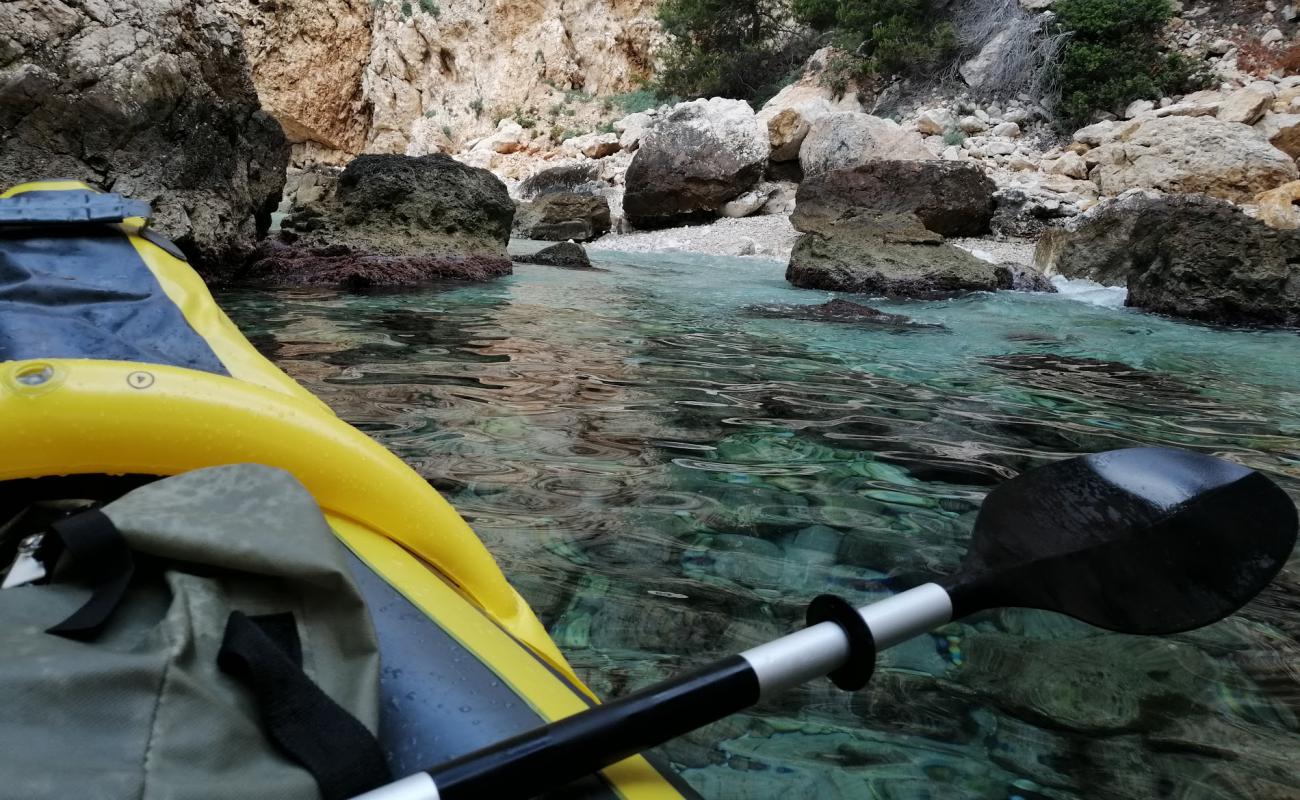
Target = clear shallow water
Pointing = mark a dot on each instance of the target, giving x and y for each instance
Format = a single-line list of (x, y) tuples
[(668, 480)]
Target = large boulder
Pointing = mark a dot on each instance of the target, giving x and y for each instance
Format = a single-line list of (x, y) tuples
[(889, 254), (151, 98), (1190, 256), (950, 198), (790, 113), (848, 139), (561, 216), (394, 220), (1190, 154), (580, 178), (696, 158)]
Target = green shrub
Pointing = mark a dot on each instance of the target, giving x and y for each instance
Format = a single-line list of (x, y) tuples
[(431, 8), (890, 36), (637, 101), (524, 119), (954, 136), (1113, 57), (406, 10), (476, 106), (727, 48)]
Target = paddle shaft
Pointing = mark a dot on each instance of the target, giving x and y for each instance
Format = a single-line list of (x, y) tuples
[(553, 755)]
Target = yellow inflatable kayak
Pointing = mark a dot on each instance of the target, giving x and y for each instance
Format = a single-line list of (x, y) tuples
[(116, 364)]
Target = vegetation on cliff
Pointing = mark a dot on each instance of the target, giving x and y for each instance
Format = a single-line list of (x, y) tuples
[(1098, 55), (1113, 57)]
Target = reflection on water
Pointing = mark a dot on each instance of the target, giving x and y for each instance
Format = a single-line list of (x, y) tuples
[(668, 479)]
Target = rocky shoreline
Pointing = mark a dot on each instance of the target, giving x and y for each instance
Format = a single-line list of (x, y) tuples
[(1193, 202)]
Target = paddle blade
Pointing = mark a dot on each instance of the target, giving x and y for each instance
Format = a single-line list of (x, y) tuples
[(1146, 540)]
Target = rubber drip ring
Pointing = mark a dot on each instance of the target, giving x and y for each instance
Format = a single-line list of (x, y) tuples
[(861, 664)]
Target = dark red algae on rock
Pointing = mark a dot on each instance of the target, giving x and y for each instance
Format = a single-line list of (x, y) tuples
[(279, 264)]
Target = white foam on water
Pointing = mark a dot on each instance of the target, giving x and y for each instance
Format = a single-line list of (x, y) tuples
[(1086, 291)]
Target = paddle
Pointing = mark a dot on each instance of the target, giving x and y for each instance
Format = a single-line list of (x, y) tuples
[(1142, 541)]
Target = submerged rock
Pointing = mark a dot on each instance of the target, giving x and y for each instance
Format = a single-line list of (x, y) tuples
[(563, 216), (1098, 685), (838, 310), (568, 255), (1189, 256), (151, 98), (394, 220), (950, 198), (695, 159)]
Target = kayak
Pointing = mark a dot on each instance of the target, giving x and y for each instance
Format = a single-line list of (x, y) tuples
[(118, 367)]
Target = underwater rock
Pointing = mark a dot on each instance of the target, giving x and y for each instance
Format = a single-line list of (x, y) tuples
[(567, 255), (950, 198), (151, 99), (563, 216), (393, 220), (838, 310), (1104, 684)]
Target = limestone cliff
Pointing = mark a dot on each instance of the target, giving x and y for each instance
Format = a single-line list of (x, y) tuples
[(351, 76), (308, 59)]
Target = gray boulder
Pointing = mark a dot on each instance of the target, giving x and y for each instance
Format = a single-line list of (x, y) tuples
[(1189, 256), (696, 158), (563, 216), (152, 98), (950, 198), (394, 220), (848, 139), (572, 178)]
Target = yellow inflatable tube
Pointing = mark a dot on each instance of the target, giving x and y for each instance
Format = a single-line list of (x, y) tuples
[(74, 416)]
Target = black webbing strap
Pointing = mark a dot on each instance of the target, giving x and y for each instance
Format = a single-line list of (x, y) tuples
[(101, 557), (264, 654)]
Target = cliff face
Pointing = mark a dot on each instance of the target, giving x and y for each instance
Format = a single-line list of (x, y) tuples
[(308, 60), (351, 76)]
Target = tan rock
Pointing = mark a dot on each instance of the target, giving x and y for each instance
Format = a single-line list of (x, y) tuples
[(786, 132), (1070, 165), (1193, 154), (1282, 131), (359, 74), (1280, 207), (308, 62), (1247, 104), (936, 122)]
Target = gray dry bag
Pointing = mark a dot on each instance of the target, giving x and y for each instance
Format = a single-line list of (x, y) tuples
[(199, 637)]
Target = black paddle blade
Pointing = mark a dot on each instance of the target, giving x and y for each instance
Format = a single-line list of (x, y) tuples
[(1147, 541)]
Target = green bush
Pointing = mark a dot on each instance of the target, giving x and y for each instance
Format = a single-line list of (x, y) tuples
[(728, 48), (1113, 57), (890, 36), (635, 101)]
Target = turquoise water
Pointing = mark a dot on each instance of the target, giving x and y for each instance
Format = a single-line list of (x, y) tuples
[(668, 480)]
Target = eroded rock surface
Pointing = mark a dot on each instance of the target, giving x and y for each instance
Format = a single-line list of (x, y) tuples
[(561, 216), (149, 98), (1190, 256), (393, 220)]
